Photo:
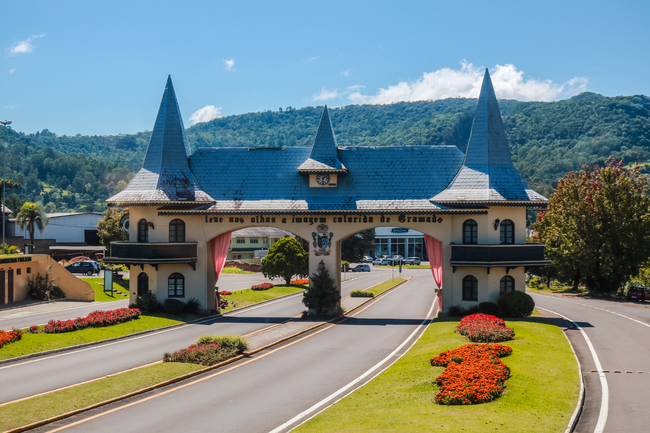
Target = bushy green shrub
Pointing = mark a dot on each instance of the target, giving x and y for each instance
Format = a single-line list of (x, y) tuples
[(456, 311), (516, 304), (173, 306), (361, 294), (472, 309), (322, 295), (533, 282), (235, 342), (488, 308), (148, 303), (192, 306)]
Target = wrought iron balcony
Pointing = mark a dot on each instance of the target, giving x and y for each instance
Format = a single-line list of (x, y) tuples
[(155, 253), (492, 256)]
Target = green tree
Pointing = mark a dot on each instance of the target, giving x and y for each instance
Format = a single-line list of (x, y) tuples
[(597, 226), (356, 246), (321, 296), (32, 216), (109, 228), (285, 259), (10, 184)]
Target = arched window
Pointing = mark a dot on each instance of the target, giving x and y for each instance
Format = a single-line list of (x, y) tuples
[(470, 288), (470, 232), (143, 284), (507, 284), (507, 232), (176, 285), (177, 231), (143, 231)]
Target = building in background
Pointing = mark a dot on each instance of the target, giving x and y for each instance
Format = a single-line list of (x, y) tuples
[(245, 243), (390, 241)]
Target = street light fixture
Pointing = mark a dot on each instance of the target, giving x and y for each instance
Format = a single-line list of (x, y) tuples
[(4, 181)]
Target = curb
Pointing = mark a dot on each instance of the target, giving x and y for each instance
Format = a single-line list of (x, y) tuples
[(124, 337), (198, 372)]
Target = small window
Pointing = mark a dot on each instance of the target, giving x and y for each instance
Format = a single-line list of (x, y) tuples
[(29, 270), (177, 231), (143, 284), (470, 288), (507, 232), (236, 256), (176, 285), (470, 232), (265, 240), (254, 240), (143, 231), (18, 271), (507, 284), (241, 240)]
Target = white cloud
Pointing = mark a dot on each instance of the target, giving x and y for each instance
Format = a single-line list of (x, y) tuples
[(229, 64), (509, 83), (25, 46), (346, 73), (314, 58), (205, 114), (11, 71), (325, 94)]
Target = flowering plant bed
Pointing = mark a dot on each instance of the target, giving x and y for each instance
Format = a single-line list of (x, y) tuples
[(96, 319), (484, 328), (263, 286), (474, 374), (304, 281), (10, 337), (209, 350)]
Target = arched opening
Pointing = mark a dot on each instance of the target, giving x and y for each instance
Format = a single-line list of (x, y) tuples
[(507, 232), (143, 231), (470, 288), (143, 283), (507, 284), (176, 285), (470, 232), (177, 231)]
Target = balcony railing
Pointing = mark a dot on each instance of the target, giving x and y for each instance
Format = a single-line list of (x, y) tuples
[(158, 253), (491, 256)]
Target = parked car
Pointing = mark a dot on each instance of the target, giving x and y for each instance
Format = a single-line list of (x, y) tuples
[(367, 259), (378, 261), (636, 293), (412, 261), (85, 267), (361, 268)]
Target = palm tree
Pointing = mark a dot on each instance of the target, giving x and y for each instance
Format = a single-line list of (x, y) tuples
[(32, 215)]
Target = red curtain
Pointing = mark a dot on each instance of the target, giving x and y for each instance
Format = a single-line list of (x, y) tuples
[(434, 250), (220, 246)]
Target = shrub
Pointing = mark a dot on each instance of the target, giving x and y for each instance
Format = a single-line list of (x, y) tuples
[(222, 296), (488, 308), (10, 337), (534, 282), (263, 286), (96, 319), (173, 306), (322, 296), (237, 342), (474, 374), (472, 309), (209, 350), (361, 294), (516, 304), (456, 311), (285, 259), (484, 328), (42, 286), (33, 329), (148, 303), (192, 306)]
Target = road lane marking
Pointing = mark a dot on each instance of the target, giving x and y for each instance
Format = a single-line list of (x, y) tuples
[(230, 368), (604, 402)]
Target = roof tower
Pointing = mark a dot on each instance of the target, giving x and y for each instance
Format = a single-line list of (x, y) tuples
[(324, 156)]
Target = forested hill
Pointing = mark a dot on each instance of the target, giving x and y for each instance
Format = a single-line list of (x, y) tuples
[(547, 139)]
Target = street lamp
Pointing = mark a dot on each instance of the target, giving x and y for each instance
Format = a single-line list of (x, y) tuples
[(4, 181)]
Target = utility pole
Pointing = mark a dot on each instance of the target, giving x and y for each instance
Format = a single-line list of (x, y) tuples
[(4, 181)]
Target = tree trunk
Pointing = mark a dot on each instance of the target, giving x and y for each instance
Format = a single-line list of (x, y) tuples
[(576, 281)]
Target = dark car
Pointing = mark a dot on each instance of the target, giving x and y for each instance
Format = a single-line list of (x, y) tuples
[(361, 268), (85, 267), (636, 293)]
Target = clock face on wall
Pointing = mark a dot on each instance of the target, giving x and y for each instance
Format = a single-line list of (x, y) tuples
[(323, 179)]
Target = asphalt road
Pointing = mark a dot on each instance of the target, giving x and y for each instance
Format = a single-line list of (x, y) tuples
[(26, 378), (620, 335), (259, 394)]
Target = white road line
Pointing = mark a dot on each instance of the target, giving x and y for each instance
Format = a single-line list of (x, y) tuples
[(302, 416), (613, 312), (604, 402)]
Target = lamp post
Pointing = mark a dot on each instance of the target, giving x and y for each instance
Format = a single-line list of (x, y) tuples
[(4, 181)]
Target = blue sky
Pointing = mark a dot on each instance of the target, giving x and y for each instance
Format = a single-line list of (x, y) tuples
[(99, 67)]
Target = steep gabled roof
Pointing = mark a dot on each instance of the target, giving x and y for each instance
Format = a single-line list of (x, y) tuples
[(165, 175), (324, 156), (487, 175)]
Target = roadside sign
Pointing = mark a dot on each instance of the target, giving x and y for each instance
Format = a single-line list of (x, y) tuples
[(108, 281)]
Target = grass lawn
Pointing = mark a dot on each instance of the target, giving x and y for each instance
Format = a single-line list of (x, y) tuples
[(384, 286), (122, 286), (408, 266), (235, 270), (242, 298), (34, 343), (46, 406), (540, 396)]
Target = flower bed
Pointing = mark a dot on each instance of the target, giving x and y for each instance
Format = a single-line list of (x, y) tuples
[(304, 281), (474, 374), (484, 328), (96, 319), (263, 286), (10, 337), (209, 350)]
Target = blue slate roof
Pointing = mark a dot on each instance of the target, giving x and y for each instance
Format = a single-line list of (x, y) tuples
[(165, 175), (487, 175), (324, 157), (382, 178)]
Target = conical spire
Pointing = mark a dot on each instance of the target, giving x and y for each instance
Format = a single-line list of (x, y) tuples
[(324, 154), (487, 173), (165, 175)]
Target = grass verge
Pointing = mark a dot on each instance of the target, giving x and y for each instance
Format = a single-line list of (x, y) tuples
[(242, 298), (34, 343), (46, 406), (235, 270), (408, 266), (385, 286), (558, 289), (97, 285), (540, 396)]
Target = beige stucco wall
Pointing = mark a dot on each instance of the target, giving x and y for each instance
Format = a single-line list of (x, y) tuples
[(202, 229)]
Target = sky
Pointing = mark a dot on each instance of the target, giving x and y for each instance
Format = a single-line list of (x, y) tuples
[(99, 67)]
